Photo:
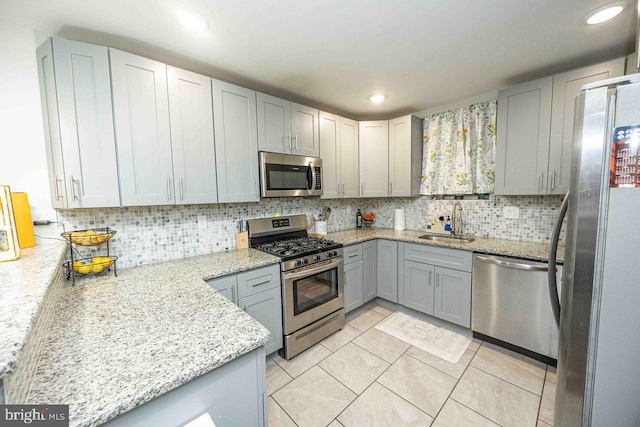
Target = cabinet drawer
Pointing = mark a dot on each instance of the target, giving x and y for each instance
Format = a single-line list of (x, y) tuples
[(259, 280), (353, 253), (441, 257)]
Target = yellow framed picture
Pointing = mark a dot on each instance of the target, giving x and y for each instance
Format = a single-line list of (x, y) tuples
[(9, 248)]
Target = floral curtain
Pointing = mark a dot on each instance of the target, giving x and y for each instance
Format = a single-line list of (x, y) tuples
[(459, 155)]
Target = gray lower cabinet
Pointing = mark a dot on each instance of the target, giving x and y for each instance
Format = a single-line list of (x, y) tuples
[(452, 300), (266, 308), (353, 285), (418, 282), (233, 394), (388, 270), (258, 292), (437, 281), (370, 270)]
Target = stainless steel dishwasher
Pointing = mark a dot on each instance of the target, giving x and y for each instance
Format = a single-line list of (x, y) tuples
[(510, 302)]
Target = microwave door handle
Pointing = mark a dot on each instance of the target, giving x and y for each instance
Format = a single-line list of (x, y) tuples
[(312, 171)]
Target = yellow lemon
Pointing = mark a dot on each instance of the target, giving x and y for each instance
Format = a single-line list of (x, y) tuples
[(98, 268), (77, 263), (84, 269)]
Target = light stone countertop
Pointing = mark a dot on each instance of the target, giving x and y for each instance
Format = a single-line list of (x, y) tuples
[(118, 342), (512, 248), (23, 285)]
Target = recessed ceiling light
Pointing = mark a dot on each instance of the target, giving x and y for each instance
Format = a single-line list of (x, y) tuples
[(605, 13), (193, 23), (377, 98)]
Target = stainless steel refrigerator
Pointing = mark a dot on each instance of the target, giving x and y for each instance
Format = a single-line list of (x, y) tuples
[(598, 381)]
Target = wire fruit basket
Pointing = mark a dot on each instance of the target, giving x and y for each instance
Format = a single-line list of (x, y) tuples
[(89, 264)]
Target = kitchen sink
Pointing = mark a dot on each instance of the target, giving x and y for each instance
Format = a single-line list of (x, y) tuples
[(447, 239)]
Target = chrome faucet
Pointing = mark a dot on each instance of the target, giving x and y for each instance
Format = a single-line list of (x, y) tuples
[(455, 229)]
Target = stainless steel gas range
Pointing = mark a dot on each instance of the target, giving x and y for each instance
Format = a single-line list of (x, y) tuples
[(312, 280)]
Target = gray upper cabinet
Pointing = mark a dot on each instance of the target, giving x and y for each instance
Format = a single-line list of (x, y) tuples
[(453, 296), (370, 276), (535, 130), (141, 112), (339, 153), (236, 141), (193, 150), (286, 127), (566, 87), (405, 156), (522, 152), (330, 154), (305, 133), (274, 124), (388, 270), (75, 87), (374, 158)]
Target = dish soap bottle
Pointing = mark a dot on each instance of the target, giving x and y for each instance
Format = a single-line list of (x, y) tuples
[(447, 225), (358, 219)]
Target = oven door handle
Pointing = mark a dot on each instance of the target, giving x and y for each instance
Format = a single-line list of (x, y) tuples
[(324, 266)]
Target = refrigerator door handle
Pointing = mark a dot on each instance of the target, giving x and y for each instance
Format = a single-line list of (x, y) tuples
[(553, 250)]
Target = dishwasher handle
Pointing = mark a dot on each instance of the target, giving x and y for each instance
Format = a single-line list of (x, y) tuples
[(511, 264)]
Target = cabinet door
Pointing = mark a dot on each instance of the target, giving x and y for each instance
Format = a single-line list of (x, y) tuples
[(266, 308), (86, 124), (453, 296), (566, 87), (236, 135), (194, 159), (53, 143), (348, 148), (227, 286), (370, 270), (141, 111), (388, 270), (374, 159), (304, 130), (274, 124), (330, 154), (418, 286), (353, 285), (524, 121), (400, 157)]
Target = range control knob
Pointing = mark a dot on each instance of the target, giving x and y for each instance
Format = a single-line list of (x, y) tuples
[(316, 258), (328, 254), (334, 253), (298, 263), (305, 261)]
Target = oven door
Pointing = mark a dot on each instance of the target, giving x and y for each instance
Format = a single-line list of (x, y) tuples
[(283, 175), (310, 293)]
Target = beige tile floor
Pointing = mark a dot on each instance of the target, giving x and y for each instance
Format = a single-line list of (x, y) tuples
[(361, 376)]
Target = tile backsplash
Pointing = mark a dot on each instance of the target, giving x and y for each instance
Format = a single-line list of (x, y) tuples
[(160, 233)]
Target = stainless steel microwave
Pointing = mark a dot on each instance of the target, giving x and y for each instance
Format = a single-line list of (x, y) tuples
[(287, 175)]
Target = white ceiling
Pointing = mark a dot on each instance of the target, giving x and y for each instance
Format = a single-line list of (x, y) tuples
[(333, 54)]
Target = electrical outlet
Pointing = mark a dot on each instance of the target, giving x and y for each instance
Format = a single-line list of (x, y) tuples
[(511, 212), (202, 221)]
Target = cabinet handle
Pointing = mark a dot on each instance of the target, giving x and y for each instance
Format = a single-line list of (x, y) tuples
[(540, 183), (553, 180), (295, 136), (429, 279), (244, 308), (181, 189), (290, 142), (264, 282), (55, 187), (233, 294), (169, 188), (391, 188), (361, 189), (256, 186), (437, 280), (343, 190), (353, 255), (73, 189)]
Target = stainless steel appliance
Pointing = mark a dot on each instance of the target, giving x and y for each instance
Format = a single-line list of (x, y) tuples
[(286, 175), (511, 303), (598, 380), (312, 280)]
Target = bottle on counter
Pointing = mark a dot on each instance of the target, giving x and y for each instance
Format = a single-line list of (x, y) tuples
[(358, 219), (447, 225)]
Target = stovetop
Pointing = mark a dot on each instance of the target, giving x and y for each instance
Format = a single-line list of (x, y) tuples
[(297, 247)]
